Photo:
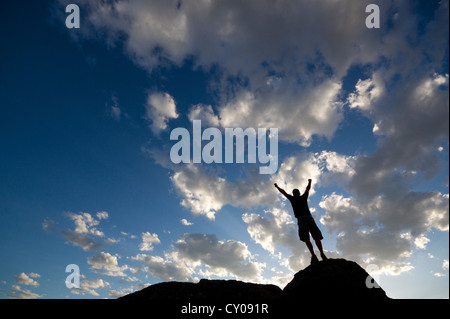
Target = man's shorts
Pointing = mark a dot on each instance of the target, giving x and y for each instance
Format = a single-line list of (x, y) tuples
[(306, 225)]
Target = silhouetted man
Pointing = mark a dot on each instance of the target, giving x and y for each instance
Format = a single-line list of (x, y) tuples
[(305, 221)]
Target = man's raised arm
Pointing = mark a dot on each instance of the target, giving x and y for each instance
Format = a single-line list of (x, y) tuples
[(308, 187), (282, 191)]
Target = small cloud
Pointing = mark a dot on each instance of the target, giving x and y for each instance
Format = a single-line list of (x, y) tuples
[(107, 264), (25, 279), (421, 242), (185, 222), (85, 223), (438, 274), (86, 227), (160, 109), (114, 110), (445, 264), (128, 235), (47, 225), (102, 215), (18, 293), (90, 286), (148, 240), (120, 292)]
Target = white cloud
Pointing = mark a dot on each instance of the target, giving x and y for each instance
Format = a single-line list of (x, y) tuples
[(25, 279), (297, 113), (120, 292), (275, 227), (107, 264), (222, 258), (128, 235), (82, 240), (215, 31), (47, 225), (367, 91), (160, 108), (385, 228), (421, 242), (18, 293), (114, 110), (148, 240), (413, 120), (205, 193), (295, 84), (165, 269), (203, 255), (84, 223), (90, 286), (292, 84), (185, 222), (85, 229), (445, 264), (102, 215)]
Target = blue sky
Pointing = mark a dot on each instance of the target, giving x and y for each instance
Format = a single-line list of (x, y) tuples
[(86, 176)]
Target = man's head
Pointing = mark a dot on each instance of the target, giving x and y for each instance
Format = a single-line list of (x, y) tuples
[(295, 192)]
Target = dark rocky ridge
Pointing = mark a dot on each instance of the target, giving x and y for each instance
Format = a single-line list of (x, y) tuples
[(334, 279)]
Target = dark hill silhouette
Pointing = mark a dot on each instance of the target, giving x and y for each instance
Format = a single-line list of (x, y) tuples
[(333, 279), (207, 290)]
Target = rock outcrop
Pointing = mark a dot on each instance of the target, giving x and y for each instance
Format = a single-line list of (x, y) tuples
[(333, 279)]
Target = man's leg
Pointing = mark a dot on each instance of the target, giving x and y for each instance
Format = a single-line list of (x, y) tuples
[(314, 258), (310, 247), (319, 245)]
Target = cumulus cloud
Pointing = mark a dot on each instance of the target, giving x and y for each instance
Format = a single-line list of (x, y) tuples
[(296, 85), (445, 264), (102, 215), (85, 230), (185, 222), (366, 92), (120, 292), (384, 229), (214, 31), (114, 110), (160, 108), (203, 255), (205, 193), (222, 258), (84, 223), (90, 287), (148, 240), (259, 87), (297, 113), (412, 120), (107, 264), (25, 279), (166, 269), (19, 293)]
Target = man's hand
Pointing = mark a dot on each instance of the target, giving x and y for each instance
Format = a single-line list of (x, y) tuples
[(276, 185)]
